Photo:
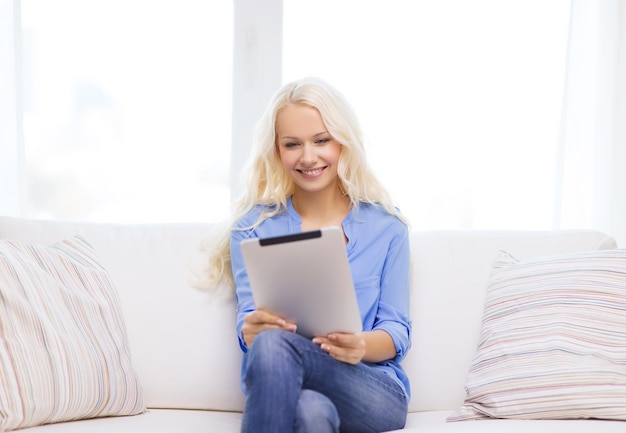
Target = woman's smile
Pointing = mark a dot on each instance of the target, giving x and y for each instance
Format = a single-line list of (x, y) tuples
[(311, 173)]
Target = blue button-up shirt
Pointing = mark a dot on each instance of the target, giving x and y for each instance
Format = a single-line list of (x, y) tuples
[(379, 257)]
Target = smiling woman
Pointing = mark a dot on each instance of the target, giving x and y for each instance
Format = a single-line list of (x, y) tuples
[(319, 177)]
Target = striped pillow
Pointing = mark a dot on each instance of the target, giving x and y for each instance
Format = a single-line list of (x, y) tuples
[(63, 347), (553, 340)]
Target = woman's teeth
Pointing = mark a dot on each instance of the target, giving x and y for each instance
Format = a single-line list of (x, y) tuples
[(312, 172)]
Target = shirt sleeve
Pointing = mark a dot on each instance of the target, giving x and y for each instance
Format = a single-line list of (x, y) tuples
[(245, 302), (393, 307)]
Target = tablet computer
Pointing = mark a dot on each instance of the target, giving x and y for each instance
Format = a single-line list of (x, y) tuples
[(304, 278)]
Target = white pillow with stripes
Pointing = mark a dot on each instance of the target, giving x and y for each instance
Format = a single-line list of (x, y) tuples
[(553, 340), (63, 346)]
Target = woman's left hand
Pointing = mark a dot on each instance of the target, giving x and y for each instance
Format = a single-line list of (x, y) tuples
[(344, 347)]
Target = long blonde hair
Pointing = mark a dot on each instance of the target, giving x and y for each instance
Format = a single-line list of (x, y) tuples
[(267, 183)]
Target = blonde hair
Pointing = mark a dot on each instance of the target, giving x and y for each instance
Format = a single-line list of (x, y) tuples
[(267, 183)]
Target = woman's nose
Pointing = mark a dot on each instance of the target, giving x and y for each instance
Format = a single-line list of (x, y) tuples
[(308, 154)]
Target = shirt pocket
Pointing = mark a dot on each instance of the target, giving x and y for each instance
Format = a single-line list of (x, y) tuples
[(367, 293)]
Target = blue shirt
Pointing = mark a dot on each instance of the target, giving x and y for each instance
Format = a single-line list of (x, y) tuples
[(379, 256)]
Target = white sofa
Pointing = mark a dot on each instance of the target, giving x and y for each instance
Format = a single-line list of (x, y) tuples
[(185, 351)]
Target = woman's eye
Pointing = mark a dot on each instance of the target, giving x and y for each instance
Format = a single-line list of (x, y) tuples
[(290, 145), (322, 141)]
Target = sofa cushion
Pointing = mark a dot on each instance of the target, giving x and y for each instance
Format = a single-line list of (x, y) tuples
[(171, 326), (204, 421), (552, 340), (63, 352)]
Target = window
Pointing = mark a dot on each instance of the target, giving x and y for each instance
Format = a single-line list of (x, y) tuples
[(461, 101), (127, 103), (127, 109)]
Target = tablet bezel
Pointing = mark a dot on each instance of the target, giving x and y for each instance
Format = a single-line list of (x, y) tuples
[(305, 278)]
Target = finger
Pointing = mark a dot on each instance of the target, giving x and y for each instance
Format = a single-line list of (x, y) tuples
[(260, 317), (321, 340), (259, 321), (346, 340), (341, 354), (278, 321), (333, 350), (250, 331)]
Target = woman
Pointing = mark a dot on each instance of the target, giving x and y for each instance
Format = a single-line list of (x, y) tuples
[(309, 171)]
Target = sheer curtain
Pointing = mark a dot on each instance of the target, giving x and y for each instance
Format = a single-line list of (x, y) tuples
[(582, 183), (11, 154), (115, 110), (591, 183), (460, 100)]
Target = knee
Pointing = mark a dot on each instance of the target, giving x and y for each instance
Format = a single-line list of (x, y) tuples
[(269, 349), (315, 413), (268, 342)]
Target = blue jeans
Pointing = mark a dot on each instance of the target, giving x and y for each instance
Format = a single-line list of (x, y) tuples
[(294, 386)]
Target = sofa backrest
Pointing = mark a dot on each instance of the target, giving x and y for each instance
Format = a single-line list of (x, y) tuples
[(183, 341), (450, 274)]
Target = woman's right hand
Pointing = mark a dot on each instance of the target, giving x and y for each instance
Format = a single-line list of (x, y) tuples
[(260, 320)]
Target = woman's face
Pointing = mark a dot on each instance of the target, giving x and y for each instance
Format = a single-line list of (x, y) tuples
[(309, 154)]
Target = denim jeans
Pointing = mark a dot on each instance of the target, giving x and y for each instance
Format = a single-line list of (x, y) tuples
[(294, 386)]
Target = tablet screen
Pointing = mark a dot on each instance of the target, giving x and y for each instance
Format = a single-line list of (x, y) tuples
[(305, 278)]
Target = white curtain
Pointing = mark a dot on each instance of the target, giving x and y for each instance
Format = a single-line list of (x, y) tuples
[(591, 183)]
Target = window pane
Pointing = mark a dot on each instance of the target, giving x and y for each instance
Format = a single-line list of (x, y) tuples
[(460, 100), (127, 109)]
